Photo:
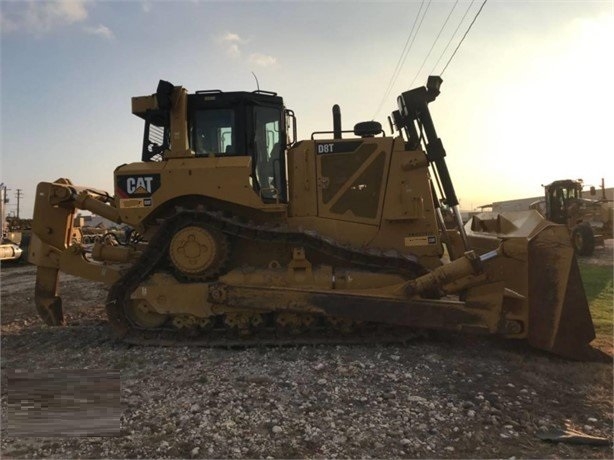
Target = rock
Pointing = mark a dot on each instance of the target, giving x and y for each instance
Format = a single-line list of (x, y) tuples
[(276, 429), (395, 357), (319, 366), (164, 445), (418, 399), (592, 419), (195, 451), (322, 382), (405, 441), (449, 449), (259, 379), (471, 413), (169, 428)]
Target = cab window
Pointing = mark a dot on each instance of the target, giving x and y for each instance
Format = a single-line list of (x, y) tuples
[(212, 132), (268, 151)]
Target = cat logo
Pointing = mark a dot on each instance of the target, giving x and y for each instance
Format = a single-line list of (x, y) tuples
[(137, 186)]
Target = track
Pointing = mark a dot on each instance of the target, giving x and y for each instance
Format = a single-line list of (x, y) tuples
[(323, 330)]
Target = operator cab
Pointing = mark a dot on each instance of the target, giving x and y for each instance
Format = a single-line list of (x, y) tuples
[(558, 196), (219, 124), (239, 124)]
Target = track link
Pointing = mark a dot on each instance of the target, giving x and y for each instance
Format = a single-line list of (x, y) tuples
[(153, 259)]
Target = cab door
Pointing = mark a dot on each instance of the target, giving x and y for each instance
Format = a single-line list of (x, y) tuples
[(269, 144)]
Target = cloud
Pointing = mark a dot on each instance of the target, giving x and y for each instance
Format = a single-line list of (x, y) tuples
[(146, 6), (231, 42), (39, 17), (7, 25), (101, 31), (230, 37), (44, 16), (262, 60), (233, 50)]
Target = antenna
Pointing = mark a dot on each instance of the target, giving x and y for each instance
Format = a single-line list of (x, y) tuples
[(257, 84)]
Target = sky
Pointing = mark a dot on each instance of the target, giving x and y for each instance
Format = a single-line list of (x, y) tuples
[(527, 99)]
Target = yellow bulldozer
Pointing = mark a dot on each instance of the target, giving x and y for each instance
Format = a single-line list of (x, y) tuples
[(244, 234)]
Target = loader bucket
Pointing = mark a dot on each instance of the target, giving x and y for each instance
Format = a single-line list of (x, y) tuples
[(539, 264)]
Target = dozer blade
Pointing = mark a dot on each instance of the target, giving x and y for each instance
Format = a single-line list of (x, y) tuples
[(538, 262), (559, 315)]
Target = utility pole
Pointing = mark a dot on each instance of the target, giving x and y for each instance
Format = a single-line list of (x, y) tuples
[(3, 202), (18, 194)]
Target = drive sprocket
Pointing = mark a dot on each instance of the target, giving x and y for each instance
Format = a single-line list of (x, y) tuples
[(198, 252)]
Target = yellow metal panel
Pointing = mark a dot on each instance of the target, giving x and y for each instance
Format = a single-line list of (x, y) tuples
[(142, 104), (302, 180), (221, 178), (342, 192)]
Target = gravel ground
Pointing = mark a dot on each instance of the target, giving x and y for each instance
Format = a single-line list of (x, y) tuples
[(440, 397)]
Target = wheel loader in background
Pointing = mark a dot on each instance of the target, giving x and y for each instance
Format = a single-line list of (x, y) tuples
[(243, 234), (589, 221)]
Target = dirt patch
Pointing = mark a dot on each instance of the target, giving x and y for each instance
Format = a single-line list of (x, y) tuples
[(446, 397)]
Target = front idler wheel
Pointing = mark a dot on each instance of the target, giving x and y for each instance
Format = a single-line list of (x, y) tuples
[(143, 315)]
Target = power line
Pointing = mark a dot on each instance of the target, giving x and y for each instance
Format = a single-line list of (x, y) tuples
[(452, 37), (466, 32), (403, 56), (434, 43), (399, 61)]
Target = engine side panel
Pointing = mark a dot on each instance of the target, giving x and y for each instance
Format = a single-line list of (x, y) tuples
[(365, 191)]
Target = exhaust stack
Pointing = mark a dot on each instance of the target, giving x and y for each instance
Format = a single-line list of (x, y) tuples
[(336, 122)]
